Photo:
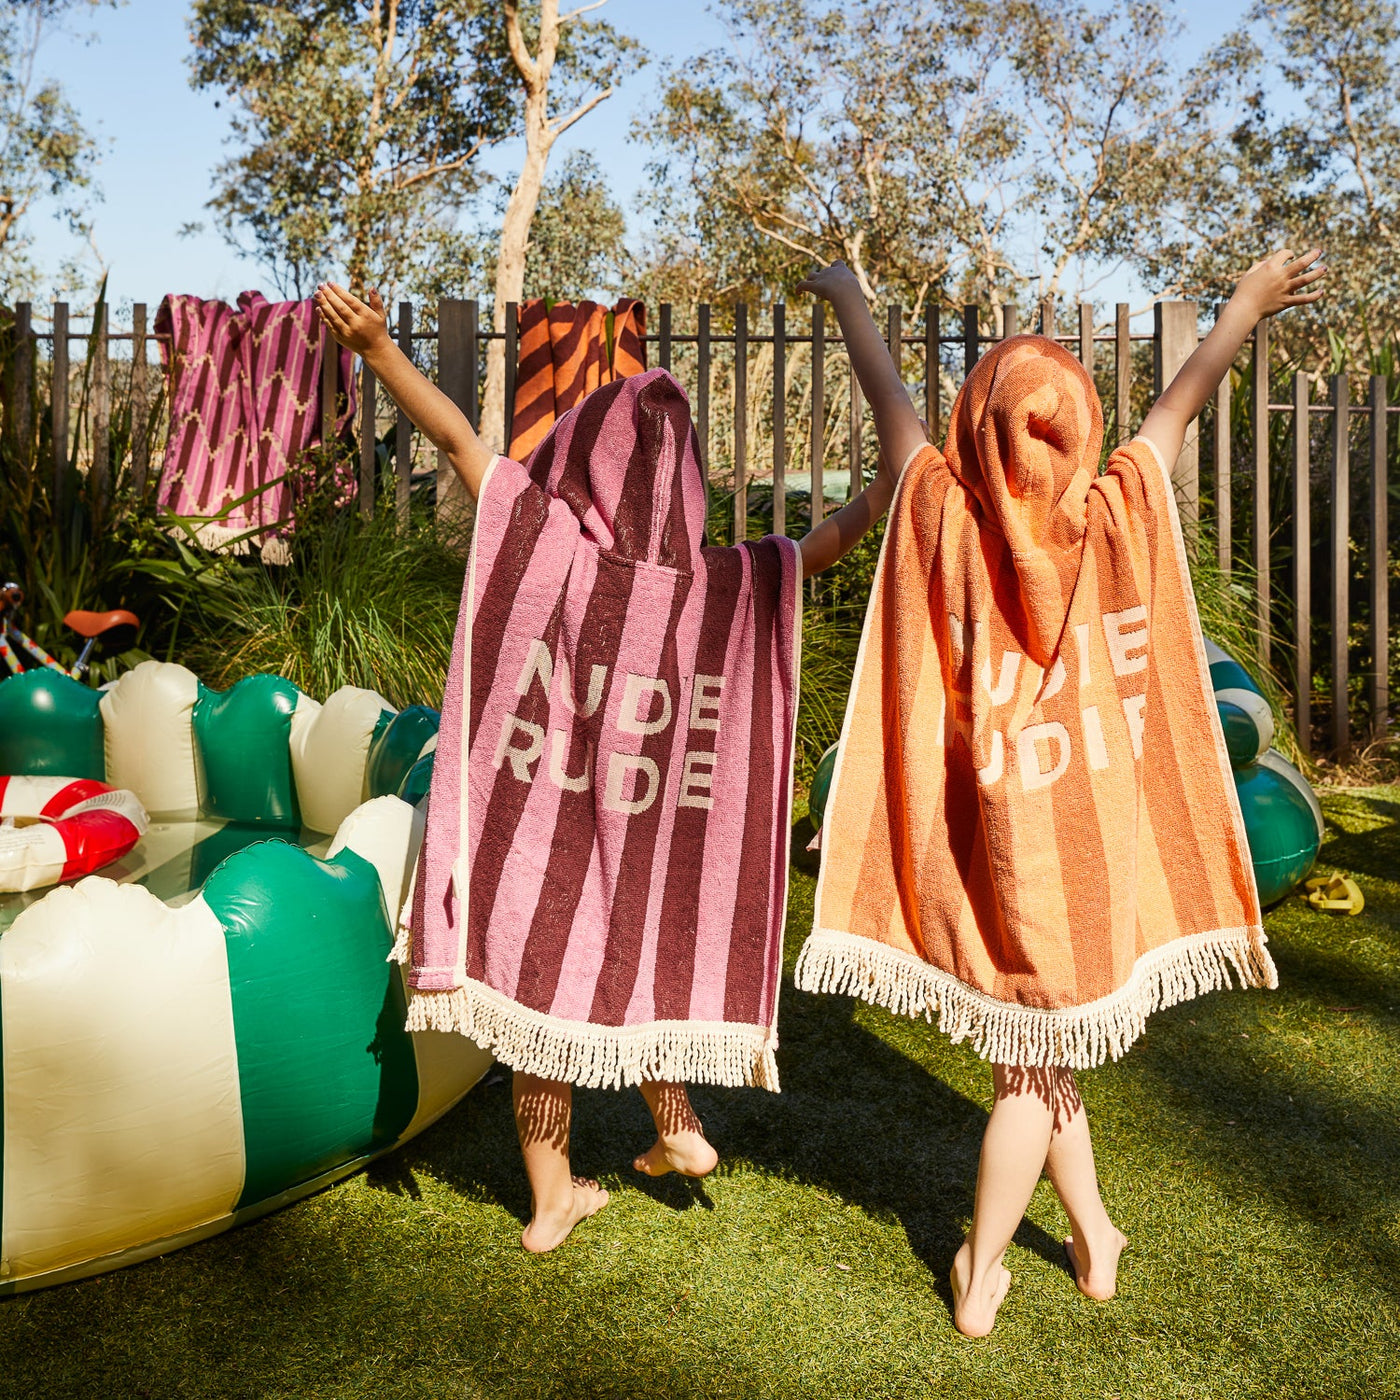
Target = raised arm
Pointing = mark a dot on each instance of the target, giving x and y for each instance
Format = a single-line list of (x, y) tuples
[(1270, 286), (897, 426), (360, 327)]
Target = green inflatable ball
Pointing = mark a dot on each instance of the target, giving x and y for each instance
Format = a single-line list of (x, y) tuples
[(1244, 712), (1282, 822), (821, 785)]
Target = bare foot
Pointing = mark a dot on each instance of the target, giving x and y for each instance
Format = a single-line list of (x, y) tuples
[(975, 1310), (549, 1229), (686, 1152), (1099, 1279)]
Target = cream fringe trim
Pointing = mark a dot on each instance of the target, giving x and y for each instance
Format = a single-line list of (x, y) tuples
[(689, 1052), (1077, 1037)]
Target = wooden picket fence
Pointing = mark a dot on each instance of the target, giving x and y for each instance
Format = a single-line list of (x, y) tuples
[(458, 341)]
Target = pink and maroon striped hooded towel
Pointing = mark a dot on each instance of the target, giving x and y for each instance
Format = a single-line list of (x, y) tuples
[(601, 892), (245, 403)]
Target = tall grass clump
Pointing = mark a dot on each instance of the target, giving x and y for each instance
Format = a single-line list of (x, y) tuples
[(359, 603)]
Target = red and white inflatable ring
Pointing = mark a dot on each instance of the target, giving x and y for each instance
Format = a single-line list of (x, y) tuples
[(76, 826)]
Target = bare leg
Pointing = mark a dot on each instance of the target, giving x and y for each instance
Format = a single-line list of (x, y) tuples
[(558, 1199), (1096, 1243), (1013, 1153), (680, 1144)]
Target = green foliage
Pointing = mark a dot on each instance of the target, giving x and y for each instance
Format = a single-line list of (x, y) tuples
[(577, 238), (358, 127), (360, 603), (45, 151), (959, 150)]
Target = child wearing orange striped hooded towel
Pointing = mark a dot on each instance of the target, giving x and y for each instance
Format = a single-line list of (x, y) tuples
[(1033, 834)]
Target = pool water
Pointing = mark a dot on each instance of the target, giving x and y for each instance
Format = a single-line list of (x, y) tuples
[(176, 856)]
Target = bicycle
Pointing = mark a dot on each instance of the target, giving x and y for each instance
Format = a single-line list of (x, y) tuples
[(113, 631)]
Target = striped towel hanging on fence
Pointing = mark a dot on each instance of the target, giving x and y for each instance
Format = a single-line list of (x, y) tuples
[(603, 882), (567, 351), (245, 404), (1033, 833)]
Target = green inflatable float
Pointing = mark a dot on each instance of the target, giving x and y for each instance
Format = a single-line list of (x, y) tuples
[(211, 1027), (1282, 819)]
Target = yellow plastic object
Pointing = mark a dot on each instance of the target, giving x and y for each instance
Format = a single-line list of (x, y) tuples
[(1335, 894)]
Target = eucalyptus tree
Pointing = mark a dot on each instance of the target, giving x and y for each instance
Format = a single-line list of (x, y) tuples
[(357, 128), (955, 148), (46, 154)]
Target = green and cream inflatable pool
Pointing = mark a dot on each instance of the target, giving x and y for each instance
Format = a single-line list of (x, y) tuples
[(210, 1028)]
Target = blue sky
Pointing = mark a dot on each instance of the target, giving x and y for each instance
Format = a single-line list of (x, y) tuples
[(161, 140)]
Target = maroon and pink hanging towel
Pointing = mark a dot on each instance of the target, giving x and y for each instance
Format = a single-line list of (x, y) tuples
[(245, 405), (601, 893)]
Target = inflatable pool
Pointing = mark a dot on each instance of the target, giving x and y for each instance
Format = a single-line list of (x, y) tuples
[(1282, 819), (209, 1029)]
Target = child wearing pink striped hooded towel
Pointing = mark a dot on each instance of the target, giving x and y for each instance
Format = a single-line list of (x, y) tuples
[(601, 891), (604, 874)]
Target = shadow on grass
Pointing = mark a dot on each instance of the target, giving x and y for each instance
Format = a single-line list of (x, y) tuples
[(856, 1119)]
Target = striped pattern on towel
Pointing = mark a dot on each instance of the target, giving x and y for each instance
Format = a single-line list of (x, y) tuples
[(245, 404), (566, 352), (1033, 832), (603, 882)]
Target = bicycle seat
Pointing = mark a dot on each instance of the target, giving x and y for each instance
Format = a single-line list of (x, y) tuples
[(92, 624)]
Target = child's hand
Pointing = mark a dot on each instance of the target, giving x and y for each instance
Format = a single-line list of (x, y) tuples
[(357, 326), (830, 282), (1277, 282)]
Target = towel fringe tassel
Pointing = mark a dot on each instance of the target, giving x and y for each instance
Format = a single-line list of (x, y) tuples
[(596, 1057), (1077, 1037)]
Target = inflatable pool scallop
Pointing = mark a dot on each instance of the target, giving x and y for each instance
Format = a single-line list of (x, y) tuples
[(209, 1028)]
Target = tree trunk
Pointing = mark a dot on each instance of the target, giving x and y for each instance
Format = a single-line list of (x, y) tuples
[(510, 265), (540, 135)]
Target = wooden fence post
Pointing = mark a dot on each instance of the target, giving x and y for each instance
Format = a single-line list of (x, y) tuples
[(1380, 562), (1302, 564), (1174, 341), (1223, 505), (1086, 337), (1341, 565), (58, 399), (971, 349), (853, 461), (100, 419), (1008, 320), (403, 428), (1047, 317), (817, 443), (932, 374), (702, 388), (779, 419), (1260, 420), (454, 349), (741, 422), (140, 403), (665, 356), (330, 386), (1122, 370), (24, 377), (368, 446), (512, 368)]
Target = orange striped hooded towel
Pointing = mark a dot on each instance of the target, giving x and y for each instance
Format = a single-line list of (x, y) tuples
[(566, 352), (1033, 833)]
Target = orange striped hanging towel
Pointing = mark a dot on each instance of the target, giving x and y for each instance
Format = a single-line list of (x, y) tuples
[(1033, 834), (567, 351)]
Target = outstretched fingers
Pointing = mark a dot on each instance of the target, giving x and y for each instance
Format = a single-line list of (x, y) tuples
[(330, 314)]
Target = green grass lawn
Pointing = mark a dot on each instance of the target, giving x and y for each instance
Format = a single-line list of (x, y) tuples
[(1249, 1146)]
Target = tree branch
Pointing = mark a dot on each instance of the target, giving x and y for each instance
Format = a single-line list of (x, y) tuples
[(562, 124)]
